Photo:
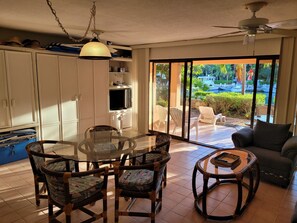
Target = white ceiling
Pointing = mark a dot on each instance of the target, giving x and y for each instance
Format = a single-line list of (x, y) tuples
[(134, 22)]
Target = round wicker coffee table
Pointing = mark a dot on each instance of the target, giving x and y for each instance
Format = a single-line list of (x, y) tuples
[(226, 166)]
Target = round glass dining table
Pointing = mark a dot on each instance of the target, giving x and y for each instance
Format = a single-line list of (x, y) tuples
[(86, 149)]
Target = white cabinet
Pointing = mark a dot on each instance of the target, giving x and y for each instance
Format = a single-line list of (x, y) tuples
[(69, 95), (49, 96), (73, 95), (86, 94), (58, 96), (4, 106), (17, 89), (101, 91)]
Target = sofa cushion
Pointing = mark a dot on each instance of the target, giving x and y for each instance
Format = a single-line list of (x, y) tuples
[(270, 136), (273, 160)]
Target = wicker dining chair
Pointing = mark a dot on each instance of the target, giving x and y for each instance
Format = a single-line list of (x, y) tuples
[(37, 157), (70, 191), (141, 181), (101, 134), (162, 144)]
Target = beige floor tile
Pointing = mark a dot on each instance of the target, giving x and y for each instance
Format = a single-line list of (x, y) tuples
[(271, 203)]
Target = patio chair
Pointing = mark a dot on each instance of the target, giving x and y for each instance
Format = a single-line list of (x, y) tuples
[(176, 115), (140, 181), (207, 115), (161, 113), (37, 157), (71, 191)]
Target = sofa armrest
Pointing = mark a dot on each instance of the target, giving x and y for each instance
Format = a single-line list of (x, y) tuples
[(243, 137), (289, 149)]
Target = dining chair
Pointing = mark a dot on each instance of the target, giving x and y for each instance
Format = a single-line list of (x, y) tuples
[(101, 134), (37, 157), (140, 181), (70, 191), (162, 144)]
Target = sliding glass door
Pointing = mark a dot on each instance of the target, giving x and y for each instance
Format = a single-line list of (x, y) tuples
[(169, 96), (205, 101)]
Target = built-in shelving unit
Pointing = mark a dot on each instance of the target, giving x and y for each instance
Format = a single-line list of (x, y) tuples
[(120, 80)]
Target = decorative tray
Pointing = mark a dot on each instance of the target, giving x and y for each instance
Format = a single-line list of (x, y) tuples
[(226, 160)]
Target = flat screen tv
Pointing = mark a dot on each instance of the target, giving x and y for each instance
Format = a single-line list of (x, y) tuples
[(120, 99)]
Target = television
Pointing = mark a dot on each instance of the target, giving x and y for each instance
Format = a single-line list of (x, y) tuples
[(120, 98)]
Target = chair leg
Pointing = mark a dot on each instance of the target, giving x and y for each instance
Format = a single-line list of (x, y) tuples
[(160, 199), (105, 208), (37, 199), (116, 206), (165, 177), (68, 218), (50, 212), (153, 208)]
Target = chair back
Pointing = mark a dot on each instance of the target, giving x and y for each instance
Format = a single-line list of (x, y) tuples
[(101, 133), (37, 155), (163, 142), (176, 115), (206, 112), (158, 168), (162, 113), (73, 187)]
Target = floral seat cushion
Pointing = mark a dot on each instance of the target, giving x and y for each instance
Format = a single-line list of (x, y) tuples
[(80, 188), (84, 187), (136, 180)]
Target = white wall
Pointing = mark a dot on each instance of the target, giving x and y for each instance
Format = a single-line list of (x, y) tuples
[(223, 49), (228, 47)]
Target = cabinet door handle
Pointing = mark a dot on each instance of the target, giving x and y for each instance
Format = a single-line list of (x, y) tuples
[(12, 102), (4, 103)]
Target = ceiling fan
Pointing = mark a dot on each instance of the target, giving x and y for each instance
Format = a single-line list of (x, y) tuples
[(255, 25)]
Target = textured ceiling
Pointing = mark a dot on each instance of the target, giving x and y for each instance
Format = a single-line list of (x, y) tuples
[(133, 22)]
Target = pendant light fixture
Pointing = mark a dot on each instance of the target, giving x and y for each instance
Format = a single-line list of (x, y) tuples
[(93, 50)]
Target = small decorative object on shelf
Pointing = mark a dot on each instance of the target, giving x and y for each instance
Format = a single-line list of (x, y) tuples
[(226, 160)]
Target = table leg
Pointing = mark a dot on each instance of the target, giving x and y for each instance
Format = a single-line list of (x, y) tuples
[(204, 193)]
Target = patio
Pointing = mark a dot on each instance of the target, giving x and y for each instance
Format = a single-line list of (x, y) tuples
[(218, 135)]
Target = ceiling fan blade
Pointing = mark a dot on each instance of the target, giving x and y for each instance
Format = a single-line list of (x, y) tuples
[(228, 27), (286, 32), (227, 34), (290, 24)]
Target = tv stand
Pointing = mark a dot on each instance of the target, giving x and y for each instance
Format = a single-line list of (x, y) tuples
[(121, 119)]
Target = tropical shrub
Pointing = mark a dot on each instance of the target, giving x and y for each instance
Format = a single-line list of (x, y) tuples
[(233, 104), (162, 102)]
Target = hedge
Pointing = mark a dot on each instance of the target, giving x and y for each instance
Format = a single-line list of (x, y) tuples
[(233, 104)]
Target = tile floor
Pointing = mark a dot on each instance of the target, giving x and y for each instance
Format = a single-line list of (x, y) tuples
[(271, 203)]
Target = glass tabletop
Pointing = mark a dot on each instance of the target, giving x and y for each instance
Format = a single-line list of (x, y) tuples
[(209, 165), (106, 147)]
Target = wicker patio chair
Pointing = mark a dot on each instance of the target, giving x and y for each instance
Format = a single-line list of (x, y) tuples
[(70, 191), (37, 157), (162, 144), (141, 181)]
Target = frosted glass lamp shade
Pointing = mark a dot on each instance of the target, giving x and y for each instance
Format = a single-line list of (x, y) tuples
[(94, 50)]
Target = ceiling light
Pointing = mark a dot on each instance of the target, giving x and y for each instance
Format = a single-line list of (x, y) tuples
[(94, 50)]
